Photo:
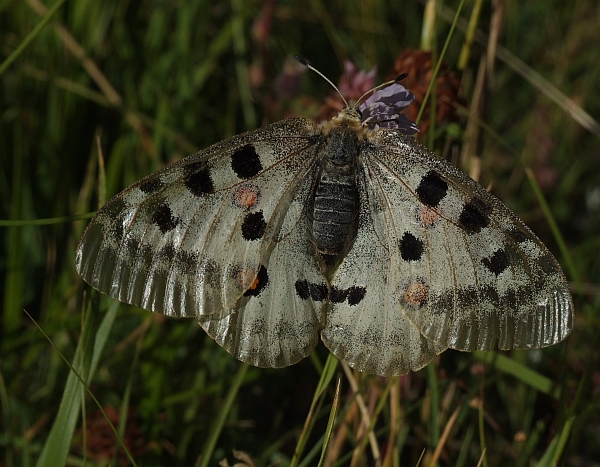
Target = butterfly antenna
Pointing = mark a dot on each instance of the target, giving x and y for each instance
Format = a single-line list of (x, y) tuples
[(383, 85), (310, 67)]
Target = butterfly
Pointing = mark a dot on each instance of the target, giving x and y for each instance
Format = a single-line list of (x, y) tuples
[(348, 229)]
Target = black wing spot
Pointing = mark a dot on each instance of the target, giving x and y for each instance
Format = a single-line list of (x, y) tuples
[(166, 253), (114, 208), (198, 181), (302, 289), (432, 189), (305, 290), (254, 226), (187, 262), (411, 248), (320, 292), (549, 265), (261, 281), (150, 186), (112, 215), (164, 219), (356, 295), (518, 236), (498, 262), (245, 162), (474, 216), (338, 295)]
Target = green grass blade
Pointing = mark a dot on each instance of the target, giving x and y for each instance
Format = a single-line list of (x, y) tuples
[(32, 35), (326, 376), (573, 271), (87, 355), (331, 421), (465, 52), (217, 427), (49, 221), (241, 68), (521, 372), (14, 282), (554, 451), (434, 392), (439, 63)]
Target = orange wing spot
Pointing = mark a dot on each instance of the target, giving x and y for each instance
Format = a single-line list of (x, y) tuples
[(415, 294), (245, 196), (247, 279), (429, 216)]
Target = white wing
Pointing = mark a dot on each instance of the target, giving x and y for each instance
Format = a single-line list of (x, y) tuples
[(467, 271), (211, 236)]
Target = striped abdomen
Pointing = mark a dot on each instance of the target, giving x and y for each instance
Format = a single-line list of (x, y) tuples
[(336, 197)]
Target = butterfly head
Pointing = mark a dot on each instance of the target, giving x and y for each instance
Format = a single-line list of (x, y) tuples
[(380, 110)]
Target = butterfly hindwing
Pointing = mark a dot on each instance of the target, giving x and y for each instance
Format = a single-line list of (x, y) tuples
[(468, 273), (385, 342), (272, 326)]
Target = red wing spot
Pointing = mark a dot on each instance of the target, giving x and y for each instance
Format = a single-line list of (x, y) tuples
[(415, 294), (246, 279), (252, 282), (429, 216), (259, 283), (245, 196)]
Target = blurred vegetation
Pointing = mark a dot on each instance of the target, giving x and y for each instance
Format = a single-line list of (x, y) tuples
[(107, 92)]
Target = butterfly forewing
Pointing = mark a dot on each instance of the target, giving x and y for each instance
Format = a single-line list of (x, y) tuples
[(189, 240), (485, 279)]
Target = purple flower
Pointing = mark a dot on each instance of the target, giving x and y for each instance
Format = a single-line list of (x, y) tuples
[(382, 109), (355, 82)]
